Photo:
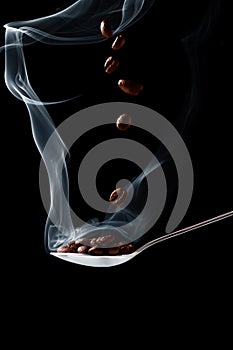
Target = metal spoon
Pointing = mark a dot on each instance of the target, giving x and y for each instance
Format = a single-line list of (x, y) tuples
[(111, 260)]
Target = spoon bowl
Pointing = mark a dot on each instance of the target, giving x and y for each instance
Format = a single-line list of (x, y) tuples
[(112, 260), (95, 261)]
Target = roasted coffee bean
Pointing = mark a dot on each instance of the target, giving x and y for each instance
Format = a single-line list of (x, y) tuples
[(111, 64), (114, 250), (118, 196), (96, 251), (64, 249), (123, 121), (118, 42), (130, 86), (72, 245), (126, 249), (82, 249), (105, 28)]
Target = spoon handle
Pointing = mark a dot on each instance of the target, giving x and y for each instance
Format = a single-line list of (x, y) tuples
[(184, 230)]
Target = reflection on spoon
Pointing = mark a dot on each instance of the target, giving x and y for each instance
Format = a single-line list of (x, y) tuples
[(108, 260)]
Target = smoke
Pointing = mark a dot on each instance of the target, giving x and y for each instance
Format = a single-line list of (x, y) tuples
[(195, 44), (75, 25), (79, 24)]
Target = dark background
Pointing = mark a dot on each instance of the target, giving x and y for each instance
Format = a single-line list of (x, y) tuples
[(196, 264)]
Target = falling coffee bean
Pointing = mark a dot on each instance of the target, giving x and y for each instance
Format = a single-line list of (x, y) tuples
[(111, 64), (105, 28), (118, 42), (130, 86), (118, 196), (123, 122)]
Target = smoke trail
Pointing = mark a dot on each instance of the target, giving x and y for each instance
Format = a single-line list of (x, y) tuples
[(195, 46), (79, 23), (136, 216), (75, 25)]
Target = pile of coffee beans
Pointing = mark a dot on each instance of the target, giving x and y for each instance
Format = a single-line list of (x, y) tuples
[(101, 245)]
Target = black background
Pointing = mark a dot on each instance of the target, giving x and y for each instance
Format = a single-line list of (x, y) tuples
[(196, 264)]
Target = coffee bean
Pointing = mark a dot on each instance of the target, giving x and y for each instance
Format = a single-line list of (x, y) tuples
[(105, 28), (126, 249), (118, 196), (71, 247), (111, 64), (114, 250), (64, 249), (123, 121), (118, 42), (82, 249), (96, 251), (130, 86)]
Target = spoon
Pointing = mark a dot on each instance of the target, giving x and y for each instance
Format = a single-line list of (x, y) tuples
[(111, 260)]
